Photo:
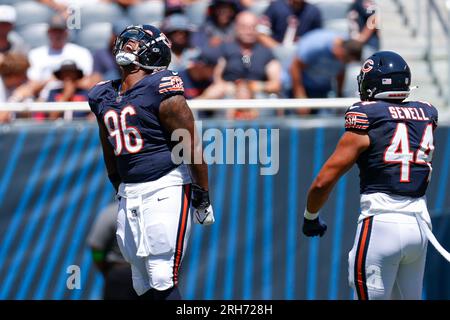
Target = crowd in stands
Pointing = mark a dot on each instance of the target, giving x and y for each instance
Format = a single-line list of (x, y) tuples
[(221, 48)]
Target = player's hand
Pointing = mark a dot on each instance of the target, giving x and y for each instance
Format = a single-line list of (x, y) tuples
[(204, 216), (203, 211), (312, 228)]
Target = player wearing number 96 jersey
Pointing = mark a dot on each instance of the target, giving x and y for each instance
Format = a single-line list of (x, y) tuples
[(391, 140), (158, 197)]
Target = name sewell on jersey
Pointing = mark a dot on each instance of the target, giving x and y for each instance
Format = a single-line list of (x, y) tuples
[(399, 158)]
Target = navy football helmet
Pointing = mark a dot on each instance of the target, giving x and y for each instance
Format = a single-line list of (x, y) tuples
[(384, 76), (153, 52)]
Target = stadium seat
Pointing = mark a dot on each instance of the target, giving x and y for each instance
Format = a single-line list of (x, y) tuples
[(150, 12), (35, 35), (31, 12), (197, 11), (99, 12), (332, 10), (94, 36), (258, 7)]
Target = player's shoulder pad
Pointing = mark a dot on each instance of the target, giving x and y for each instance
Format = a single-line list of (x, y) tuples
[(96, 92), (427, 105), (431, 110), (170, 82), (356, 117)]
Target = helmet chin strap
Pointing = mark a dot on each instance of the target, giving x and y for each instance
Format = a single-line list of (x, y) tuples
[(126, 58)]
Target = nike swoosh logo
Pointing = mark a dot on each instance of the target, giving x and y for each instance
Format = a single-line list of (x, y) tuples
[(353, 107), (160, 199)]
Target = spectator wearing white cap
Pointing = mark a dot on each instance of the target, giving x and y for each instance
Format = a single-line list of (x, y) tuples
[(9, 40)]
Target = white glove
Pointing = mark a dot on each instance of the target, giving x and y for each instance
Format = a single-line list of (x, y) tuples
[(204, 216)]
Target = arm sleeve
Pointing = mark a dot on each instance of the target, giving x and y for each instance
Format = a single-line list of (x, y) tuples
[(170, 85), (356, 119)]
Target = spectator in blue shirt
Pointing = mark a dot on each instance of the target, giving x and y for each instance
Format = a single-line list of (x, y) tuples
[(285, 21), (320, 60), (246, 59)]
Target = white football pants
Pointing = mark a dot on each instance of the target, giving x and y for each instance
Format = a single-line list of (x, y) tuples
[(387, 260), (152, 232)]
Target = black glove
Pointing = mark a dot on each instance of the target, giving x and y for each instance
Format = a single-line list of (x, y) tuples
[(200, 197), (312, 228)]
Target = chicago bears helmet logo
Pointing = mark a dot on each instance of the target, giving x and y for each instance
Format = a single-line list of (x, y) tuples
[(367, 66)]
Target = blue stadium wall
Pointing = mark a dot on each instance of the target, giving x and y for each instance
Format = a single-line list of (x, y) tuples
[(53, 184)]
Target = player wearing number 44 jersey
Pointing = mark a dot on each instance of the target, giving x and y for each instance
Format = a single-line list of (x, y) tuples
[(391, 140), (157, 197)]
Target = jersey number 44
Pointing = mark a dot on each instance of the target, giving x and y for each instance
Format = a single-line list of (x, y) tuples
[(399, 151)]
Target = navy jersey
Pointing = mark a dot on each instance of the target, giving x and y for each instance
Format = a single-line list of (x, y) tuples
[(141, 145), (398, 160)]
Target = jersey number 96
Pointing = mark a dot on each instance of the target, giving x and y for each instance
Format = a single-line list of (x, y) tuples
[(124, 135)]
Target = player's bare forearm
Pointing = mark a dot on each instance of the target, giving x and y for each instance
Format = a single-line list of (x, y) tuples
[(174, 113), (350, 146), (109, 156)]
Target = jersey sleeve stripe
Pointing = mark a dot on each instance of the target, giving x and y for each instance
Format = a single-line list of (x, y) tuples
[(171, 90), (356, 120)]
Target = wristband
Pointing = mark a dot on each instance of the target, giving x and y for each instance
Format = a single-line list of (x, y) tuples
[(310, 216)]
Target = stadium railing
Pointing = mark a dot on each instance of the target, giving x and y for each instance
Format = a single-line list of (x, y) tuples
[(206, 104), (335, 104)]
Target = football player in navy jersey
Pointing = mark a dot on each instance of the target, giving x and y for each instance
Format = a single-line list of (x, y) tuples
[(157, 197), (391, 140)]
